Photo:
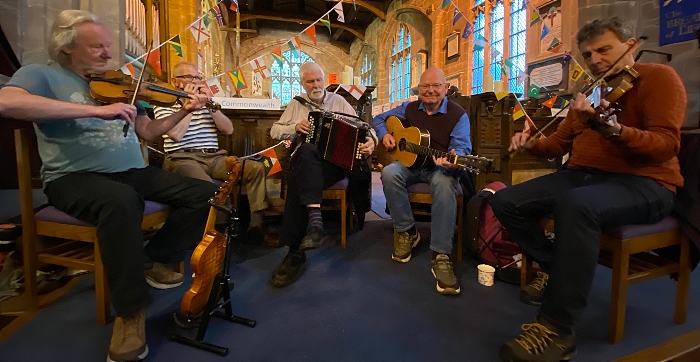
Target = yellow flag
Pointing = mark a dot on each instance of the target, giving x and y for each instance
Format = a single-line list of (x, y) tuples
[(577, 73), (500, 95)]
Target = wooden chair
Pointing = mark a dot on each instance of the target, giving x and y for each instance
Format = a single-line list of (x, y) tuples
[(419, 195), (80, 250), (628, 251), (336, 198)]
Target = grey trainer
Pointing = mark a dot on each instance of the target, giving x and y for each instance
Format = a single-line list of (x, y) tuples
[(446, 281), (402, 249), (532, 293)]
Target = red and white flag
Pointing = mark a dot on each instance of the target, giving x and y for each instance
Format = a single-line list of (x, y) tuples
[(339, 9), (529, 125), (128, 69), (355, 90), (260, 70), (199, 30), (215, 87)]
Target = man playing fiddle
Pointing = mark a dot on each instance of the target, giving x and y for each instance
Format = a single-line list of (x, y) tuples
[(95, 174), (192, 147), (302, 224), (620, 172)]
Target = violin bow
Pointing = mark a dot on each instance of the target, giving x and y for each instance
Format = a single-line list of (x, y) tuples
[(138, 86), (596, 82)]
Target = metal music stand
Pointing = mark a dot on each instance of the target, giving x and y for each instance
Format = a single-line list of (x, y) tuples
[(221, 289)]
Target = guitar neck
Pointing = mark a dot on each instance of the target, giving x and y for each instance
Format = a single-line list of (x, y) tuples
[(427, 151)]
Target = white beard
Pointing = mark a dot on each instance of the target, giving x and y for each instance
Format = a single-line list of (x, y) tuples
[(316, 95)]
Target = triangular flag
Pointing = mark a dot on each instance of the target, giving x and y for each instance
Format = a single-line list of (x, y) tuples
[(355, 90), (534, 18), (508, 63), (587, 79), (311, 32), (500, 95), (521, 76), (529, 125), (234, 6), (260, 70), (504, 73), (216, 12), (445, 3), (176, 44), (567, 57), (468, 29), (257, 86), (479, 42), (326, 21), (494, 54), (456, 16), (518, 111), (271, 161), (550, 102), (295, 45), (206, 20), (555, 45), (339, 9), (199, 31), (576, 73), (565, 103), (545, 31), (277, 55), (237, 79), (128, 69), (214, 86), (533, 91), (154, 60)]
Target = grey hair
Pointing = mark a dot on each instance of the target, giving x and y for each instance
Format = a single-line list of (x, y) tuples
[(310, 67), (180, 65), (64, 34), (597, 27)]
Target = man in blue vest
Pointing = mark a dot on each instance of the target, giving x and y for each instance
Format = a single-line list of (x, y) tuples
[(448, 125)]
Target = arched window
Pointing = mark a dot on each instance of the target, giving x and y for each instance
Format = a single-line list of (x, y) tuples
[(496, 41), (518, 24), (285, 79), (478, 55), (366, 71), (400, 82)]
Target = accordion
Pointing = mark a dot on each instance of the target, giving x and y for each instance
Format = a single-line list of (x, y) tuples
[(338, 137)]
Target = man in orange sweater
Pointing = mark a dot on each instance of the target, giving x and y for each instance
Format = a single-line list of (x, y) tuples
[(625, 172)]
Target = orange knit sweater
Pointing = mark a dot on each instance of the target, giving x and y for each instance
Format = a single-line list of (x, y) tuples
[(653, 112)]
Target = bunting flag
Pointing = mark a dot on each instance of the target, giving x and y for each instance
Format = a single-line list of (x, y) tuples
[(567, 57), (311, 32), (295, 45), (355, 90), (576, 73), (508, 63), (206, 20), (257, 85), (260, 70), (216, 12), (534, 18), (339, 10), (326, 21), (215, 87), (504, 73), (565, 103), (545, 31), (587, 79), (533, 91), (555, 45), (501, 95), (270, 160), (128, 69), (494, 54), (468, 29), (234, 6), (199, 30), (518, 111), (480, 42), (550, 102), (522, 76), (456, 16), (237, 79), (176, 44), (529, 125), (154, 60), (445, 3), (277, 55)]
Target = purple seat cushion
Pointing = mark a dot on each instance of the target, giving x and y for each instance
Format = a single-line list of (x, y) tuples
[(633, 231), (52, 214), (340, 185), (424, 188)]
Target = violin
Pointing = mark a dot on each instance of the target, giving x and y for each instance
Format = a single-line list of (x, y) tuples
[(116, 87), (614, 88), (210, 253)]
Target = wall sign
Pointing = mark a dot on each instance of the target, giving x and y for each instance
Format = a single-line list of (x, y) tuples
[(679, 20)]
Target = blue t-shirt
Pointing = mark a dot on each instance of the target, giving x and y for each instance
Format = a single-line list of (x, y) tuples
[(83, 144)]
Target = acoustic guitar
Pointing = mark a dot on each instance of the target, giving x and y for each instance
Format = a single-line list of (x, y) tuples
[(413, 149), (209, 254)]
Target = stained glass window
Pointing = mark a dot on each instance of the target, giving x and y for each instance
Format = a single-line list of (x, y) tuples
[(285, 79), (400, 82)]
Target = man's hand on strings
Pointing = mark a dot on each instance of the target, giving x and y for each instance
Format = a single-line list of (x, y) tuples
[(445, 163), (368, 147), (114, 111), (388, 141), (520, 140), (302, 127)]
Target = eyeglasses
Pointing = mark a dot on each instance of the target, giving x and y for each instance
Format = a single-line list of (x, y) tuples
[(427, 86), (189, 78)]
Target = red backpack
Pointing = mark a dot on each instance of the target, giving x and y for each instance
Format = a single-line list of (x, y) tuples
[(487, 240)]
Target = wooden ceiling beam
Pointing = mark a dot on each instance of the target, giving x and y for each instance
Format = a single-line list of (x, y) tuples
[(360, 34), (372, 6)]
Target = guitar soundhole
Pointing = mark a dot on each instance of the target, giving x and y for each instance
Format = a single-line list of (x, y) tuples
[(402, 144)]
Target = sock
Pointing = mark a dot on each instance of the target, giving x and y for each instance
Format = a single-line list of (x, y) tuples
[(315, 219), (412, 231)]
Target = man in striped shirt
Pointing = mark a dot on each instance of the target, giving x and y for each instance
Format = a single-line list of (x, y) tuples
[(192, 148)]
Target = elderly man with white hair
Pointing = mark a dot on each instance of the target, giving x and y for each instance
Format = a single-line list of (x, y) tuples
[(302, 225)]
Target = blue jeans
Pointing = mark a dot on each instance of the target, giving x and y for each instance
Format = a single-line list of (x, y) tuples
[(443, 188)]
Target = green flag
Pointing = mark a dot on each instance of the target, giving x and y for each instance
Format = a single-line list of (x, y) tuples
[(176, 44), (533, 91)]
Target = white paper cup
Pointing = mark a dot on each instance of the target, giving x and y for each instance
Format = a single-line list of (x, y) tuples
[(486, 274)]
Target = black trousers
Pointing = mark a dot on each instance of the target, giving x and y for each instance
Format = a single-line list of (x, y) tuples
[(114, 203), (310, 174), (583, 202)]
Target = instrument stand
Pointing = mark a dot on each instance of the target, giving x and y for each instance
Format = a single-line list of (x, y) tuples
[(221, 289)]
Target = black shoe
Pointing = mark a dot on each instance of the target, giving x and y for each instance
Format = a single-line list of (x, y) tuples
[(315, 238), (289, 271), (539, 342), (532, 293)]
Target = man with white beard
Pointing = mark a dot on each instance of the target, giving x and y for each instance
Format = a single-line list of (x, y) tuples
[(302, 225)]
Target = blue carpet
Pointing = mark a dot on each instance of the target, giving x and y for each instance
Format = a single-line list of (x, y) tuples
[(353, 305)]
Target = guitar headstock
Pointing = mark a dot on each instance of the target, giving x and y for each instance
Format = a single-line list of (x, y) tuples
[(475, 163), (233, 169)]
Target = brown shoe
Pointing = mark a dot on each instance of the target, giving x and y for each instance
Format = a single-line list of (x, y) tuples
[(128, 338), (161, 277)]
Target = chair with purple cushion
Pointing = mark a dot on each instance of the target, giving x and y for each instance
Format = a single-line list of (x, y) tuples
[(629, 251), (419, 195), (79, 248)]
